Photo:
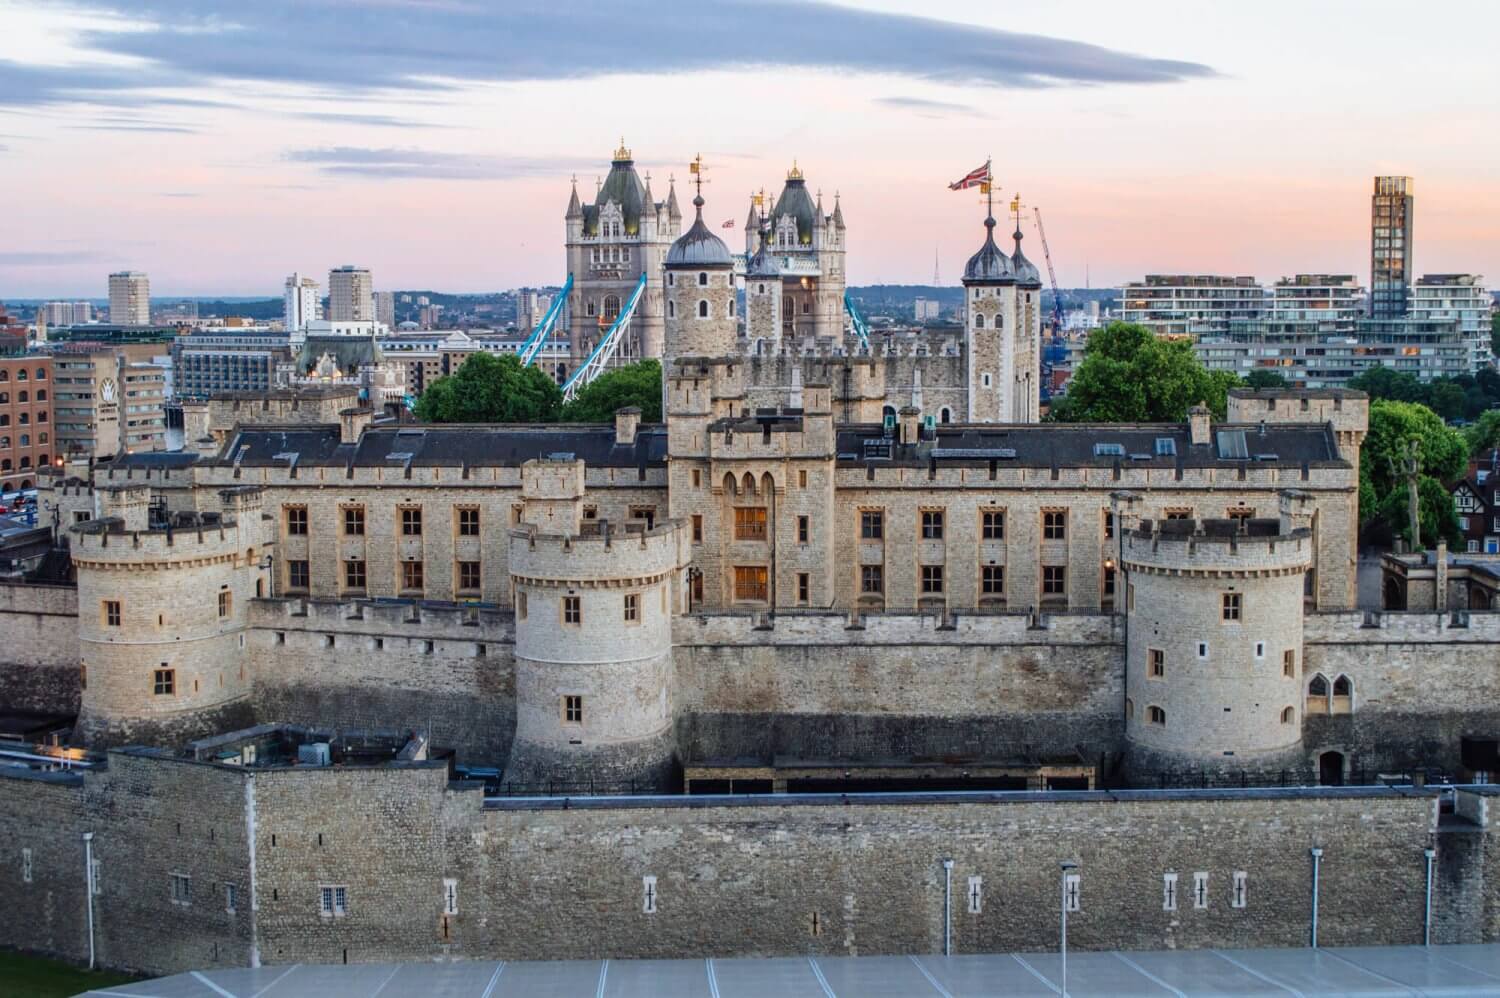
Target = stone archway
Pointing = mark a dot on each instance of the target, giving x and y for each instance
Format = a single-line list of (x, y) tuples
[(1331, 769), (1393, 594)]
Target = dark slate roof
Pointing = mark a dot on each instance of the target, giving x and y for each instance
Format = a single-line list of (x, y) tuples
[(1025, 271), (150, 459), (795, 201), (1078, 445), (474, 445), (990, 263), (624, 187), (350, 353), (699, 247), (764, 263)]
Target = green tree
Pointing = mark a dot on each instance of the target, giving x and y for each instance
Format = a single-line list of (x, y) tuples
[(1386, 383), (1495, 334), (637, 384), (1443, 456), (1264, 377), (1129, 375), (491, 389), (1484, 433)]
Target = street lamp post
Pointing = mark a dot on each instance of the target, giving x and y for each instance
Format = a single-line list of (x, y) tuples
[(1067, 866)]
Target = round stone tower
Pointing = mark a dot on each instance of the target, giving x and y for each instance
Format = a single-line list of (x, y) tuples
[(701, 319), (1214, 617), (162, 607), (594, 605)]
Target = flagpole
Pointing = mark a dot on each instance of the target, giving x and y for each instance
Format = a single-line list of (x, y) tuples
[(989, 188)]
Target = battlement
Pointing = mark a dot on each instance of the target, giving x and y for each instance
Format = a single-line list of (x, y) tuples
[(608, 555), (185, 536), (1217, 546)]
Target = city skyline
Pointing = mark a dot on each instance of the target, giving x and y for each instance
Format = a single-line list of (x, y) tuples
[(1159, 140)]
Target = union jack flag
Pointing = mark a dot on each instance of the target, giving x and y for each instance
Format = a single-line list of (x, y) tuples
[(728, 225), (975, 177)]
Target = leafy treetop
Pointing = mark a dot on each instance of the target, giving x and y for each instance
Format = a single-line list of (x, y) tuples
[(1129, 375)]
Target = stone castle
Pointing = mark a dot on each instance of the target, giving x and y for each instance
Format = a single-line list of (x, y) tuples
[(830, 569)]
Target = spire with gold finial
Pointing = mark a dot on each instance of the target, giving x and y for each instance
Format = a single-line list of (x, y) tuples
[(575, 209), (795, 173), (622, 154)]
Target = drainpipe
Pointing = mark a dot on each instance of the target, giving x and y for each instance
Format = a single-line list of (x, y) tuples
[(1430, 853), (1317, 860), (88, 887), (947, 907)]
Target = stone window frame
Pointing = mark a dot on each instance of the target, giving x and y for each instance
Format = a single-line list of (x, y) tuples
[(1129, 709), (871, 523), (1231, 607), (1177, 513), (1054, 529), (631, 606), (570, 611), (878, 571), (450, 895), (164, 681), (1156, 663), (294, 518), (991, 529), (112, 612), (697, 478), (804, 528), (1289, 663), (410, 517), (697, 522), (26, 872), (413, 575), (751, 523), (1073, 892), (354, 519), (1200, 890), (762, 584), (801, 478), (466, 521), (1289, 715), (804, 588), (571, 707), (703, 311), (226, 602), (1169, 892), (648, 895), (1156, 714), (975, 895), (1260, 651), (932, 523), (350, 575), (333, 900), (1059, 581), (1239, 892), (986, 583), (930, 580), (231, 898), (180, 889), (461, 568)]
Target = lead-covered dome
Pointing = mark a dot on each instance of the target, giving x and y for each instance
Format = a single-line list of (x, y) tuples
[(990, 263), (1025, 271), (698, 247)]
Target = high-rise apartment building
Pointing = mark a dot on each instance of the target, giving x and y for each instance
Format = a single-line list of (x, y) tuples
[(1334, 301), (1390, 246), (1177, 305), (385, 308), (1460, 298), (302, 303), (68, 313), (351, 295), (129, 298)]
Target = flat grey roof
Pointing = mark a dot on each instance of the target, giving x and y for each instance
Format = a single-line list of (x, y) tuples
[(1361, 971)]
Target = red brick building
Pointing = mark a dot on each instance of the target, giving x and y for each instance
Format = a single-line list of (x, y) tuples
[(26, 442)]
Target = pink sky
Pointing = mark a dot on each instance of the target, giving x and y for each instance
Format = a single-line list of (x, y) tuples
[(1211, 138)]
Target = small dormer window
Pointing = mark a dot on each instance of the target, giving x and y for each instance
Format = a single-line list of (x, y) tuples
[(702, 278)]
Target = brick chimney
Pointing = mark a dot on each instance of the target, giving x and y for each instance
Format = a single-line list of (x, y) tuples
[(1198, 425), (352, 423), (907, 418), (627, 420)]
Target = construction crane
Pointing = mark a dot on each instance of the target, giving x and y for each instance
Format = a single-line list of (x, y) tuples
[(1057, 311)]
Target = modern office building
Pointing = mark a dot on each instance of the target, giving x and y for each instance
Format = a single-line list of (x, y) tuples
[(25, 420), (68, 313), (1390, 246), (108, 398), (213, 361), (1460, 298), (385, 308), (129, 298), (302, 302), (1170, 304), (351, 294)]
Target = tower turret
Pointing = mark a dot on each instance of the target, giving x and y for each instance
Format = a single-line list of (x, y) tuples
[(701, 320), (1215, 645), (989, 311)]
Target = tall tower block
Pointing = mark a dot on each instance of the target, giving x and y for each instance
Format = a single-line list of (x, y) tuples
[(594, 607)]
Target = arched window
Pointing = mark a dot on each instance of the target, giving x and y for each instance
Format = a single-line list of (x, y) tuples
[(25, 462), (671, 279), (41, 417), (1000, 322), (978, 320), (4, 442), (25, 418), (41, 438), (4, 419), (1129, 709), (749, 485), (41, 374), (760, 289), (671, 309), (1343, 687), (41, 395), (1288, 715), (887, 412), (1317, 687), (611, 308), (731, 308), (4, 464), (702, 308), (1343, 696), (23, 396), (702, 278), (4, 397), (1155, 715), (944, 415), (21, 374), (41, 460), (4, 375), (25, 440)]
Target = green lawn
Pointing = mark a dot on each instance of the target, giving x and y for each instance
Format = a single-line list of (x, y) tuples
[(36, 977)]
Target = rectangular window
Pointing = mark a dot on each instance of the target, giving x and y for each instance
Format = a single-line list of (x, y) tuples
[(572, 709), (450, 896), (1200, 890), (1054, 580), (411, 521), (932, 524), (521, 605), (1054, 525), (572, 610), (83, 675), (697, 478), (750, 583), (296, 521), (992, 580), (1241, 888), (804, 588), (647, 513), (231, 898), (872, 580), (25, 866), (111, 613), (182, 888), (354, 574), (871, 525), (976, 895), (750, 523), (697, 528), (411, 575), (225, 600), (1169, 892), (932, 578), (297, 574), (164, 682), (632, 608), (802, 530), (468, 521), (333, 901), (1072, 892), (992, 525), (1109, 525), (354, 521), (1289, 663), (1231, 606), (1109, 583), (648, 895), (1158, 662), (802, 479), (468, 575)]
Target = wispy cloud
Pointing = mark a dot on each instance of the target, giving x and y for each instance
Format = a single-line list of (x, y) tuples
[(125, 126), (38, 258), (177, 194), (406, 164), (371, 120), (392, 47), (927, 108)]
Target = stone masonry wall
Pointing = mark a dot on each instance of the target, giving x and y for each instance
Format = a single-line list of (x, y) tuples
[(39, 647)]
